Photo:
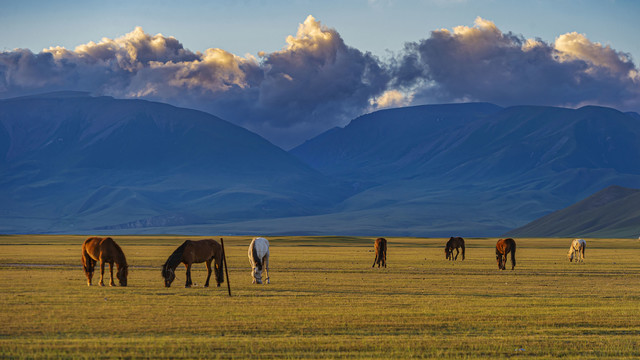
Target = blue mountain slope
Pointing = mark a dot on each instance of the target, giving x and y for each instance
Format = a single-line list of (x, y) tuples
[(71, 162), (611, 212), (496, 168)]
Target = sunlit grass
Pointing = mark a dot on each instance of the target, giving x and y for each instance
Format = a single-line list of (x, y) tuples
[(325, 301)]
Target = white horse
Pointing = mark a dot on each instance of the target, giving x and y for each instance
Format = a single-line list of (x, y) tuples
[(259, 258), (577, 250)]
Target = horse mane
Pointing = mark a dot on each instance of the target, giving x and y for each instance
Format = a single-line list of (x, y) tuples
[(174, 259), (122, 260), (254, 253)]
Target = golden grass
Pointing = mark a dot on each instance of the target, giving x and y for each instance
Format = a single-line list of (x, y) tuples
[(325, 301)]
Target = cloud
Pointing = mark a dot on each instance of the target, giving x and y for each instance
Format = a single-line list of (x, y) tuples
[(390, 98), (482, 63), (316, 81)]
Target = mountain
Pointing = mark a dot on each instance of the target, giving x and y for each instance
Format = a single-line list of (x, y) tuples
[(475, 169), (611, 212), (73, 163), (70, 162)]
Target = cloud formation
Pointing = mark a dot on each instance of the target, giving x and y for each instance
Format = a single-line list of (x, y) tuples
[(316, 81), (481, 63)]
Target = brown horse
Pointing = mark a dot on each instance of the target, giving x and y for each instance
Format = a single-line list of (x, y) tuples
[(454, 243), (107, 251), (194, 252), (380, 247), (503, 247)]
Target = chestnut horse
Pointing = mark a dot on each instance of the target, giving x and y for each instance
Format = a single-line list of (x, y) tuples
[(106, 251), (577, 250), (380, 247), (454, 243), (503, 247), (194, 252)]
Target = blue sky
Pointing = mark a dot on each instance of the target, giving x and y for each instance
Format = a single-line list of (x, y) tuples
[(248, 26), (289, 70)]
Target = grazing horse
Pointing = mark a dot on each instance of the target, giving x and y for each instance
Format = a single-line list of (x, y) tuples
[(106, 251), (191, 252), (454, 243), (380, 247), (577, 248), (503, 247), (259, 258)]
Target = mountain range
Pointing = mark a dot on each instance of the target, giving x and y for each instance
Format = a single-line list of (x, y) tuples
[(73, 163)]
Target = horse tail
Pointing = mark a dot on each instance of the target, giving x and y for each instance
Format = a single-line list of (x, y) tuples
[(513, 254), (384, 249), (462, 245), (254, 254), (87, 262), (174, 259)]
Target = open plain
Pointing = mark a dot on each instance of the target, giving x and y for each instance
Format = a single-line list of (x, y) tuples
[(325, 301)]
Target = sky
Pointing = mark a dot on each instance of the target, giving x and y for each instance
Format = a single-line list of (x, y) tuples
[(290, 70)]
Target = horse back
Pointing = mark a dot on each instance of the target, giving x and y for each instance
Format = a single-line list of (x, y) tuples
[(93, 247), (505, 246), (201, 250), (380, 245), (261, 246)]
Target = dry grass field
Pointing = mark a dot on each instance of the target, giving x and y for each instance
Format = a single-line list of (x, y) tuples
[(325, 301)]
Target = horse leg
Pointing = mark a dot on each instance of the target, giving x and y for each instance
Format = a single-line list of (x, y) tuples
[(265, 261), (208, 263), (111, 283), (457, 253), (375, 260), (101, 273), (89, 270), (188, 275)]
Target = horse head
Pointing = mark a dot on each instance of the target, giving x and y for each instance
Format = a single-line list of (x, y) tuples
[(218, 270), (123, 272), (570, 254), (447, 252), (169, 275), (256, 272)]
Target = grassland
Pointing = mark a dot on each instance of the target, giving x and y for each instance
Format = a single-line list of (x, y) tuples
[(325, 301)]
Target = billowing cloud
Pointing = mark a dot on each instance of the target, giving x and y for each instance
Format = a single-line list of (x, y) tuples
[(316, 81), (390, 98), (481, 63)]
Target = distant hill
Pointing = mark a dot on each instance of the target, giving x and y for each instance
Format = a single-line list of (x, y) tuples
[(70, 162), (476, 168), (612, 212)]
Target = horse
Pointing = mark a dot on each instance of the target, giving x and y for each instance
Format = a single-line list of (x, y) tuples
[(454, 243), (503, 247), (106, 251), (380, 247), (259, 259), (190, 252), (577, 248)]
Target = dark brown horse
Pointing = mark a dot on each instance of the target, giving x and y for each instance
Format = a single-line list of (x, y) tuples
[(503, 247), (194, 252), (107, 251), (454, 243), (380, 247)]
